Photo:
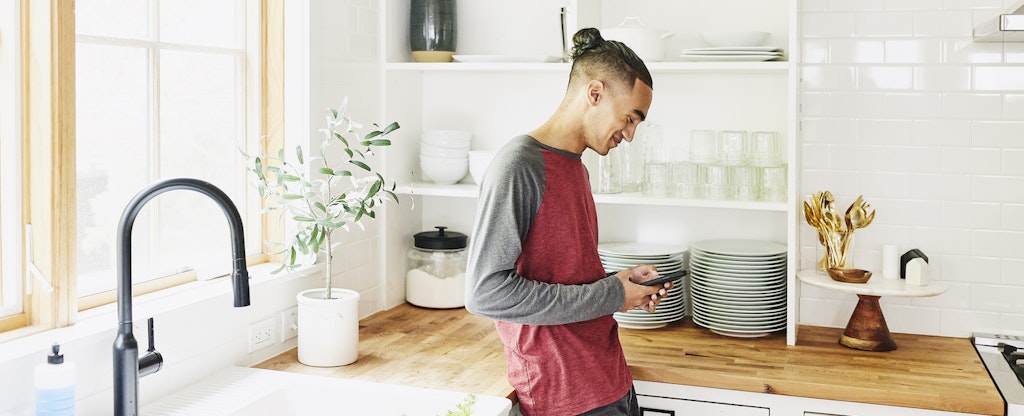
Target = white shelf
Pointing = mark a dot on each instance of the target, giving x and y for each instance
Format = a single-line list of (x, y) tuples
[(463, 190), (655, 67)]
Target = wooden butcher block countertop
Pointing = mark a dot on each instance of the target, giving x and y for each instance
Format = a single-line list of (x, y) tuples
[(455, 350)]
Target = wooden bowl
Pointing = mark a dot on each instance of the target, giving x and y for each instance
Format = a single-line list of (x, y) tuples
[(849, 275)]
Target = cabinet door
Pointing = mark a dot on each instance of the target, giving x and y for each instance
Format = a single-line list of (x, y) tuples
[(661, 406)]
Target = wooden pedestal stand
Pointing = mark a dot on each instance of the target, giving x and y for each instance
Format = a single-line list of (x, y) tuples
[(867, 329)]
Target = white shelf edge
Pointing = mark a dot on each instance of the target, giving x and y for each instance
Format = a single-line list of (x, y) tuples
[(655, 67), (464, 190)]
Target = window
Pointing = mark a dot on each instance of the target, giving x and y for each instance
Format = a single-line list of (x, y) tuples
[(163, 89), (11, 298)]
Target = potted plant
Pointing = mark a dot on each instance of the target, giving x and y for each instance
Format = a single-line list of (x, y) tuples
[(331, 192)]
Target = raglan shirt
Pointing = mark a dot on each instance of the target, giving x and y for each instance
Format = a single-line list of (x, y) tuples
[(534, 268)]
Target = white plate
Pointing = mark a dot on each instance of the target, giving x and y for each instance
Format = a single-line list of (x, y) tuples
[(647, 325), (734, 265), (735, 48), (727, 259), (735, 297), (732, 52), (505, 58), (727, 58), (766, 307), (634, 249), (741, 248), (738, 273)]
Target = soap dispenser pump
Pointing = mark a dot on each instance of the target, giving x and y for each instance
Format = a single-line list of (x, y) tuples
[(55, 385)]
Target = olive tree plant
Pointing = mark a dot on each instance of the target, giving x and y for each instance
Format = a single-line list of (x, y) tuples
[(324, 193)]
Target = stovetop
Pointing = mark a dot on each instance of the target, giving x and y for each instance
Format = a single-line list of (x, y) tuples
[(1003, 356)]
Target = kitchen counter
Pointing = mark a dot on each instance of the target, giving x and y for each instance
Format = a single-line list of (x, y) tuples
[(455, 350)]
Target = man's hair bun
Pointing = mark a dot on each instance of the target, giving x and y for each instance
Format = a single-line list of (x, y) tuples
[(584, 40)]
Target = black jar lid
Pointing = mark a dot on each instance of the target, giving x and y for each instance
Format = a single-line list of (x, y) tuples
[(440, 239)]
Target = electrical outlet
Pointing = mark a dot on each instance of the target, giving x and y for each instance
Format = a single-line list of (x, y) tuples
[(261, 334), (289, 323)]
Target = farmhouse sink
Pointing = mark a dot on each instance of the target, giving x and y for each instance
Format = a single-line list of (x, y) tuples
[(257, 392)]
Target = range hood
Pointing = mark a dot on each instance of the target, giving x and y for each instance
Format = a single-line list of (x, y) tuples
[(1008, 27)]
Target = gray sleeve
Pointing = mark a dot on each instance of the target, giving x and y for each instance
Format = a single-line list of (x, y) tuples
[(510, 198)]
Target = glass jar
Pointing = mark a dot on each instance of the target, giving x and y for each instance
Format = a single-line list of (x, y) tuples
[(437, 269)]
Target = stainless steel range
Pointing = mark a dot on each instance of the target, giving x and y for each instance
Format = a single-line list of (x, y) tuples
[(1003, 356)]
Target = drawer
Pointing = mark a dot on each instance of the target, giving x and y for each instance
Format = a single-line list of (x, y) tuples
[(662, 406)]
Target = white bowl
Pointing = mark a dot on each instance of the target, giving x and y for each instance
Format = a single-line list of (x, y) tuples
[(478, 162), (457, 139), (448, 152), (444, 171), (734, 39)]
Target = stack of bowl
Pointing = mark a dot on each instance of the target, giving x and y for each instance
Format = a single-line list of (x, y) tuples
[(444, 155)]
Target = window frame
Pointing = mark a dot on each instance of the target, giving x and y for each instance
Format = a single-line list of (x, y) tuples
[(252, 85), (47, 102), (13, 313)]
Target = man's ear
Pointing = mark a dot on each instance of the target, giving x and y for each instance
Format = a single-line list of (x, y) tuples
[(595, 92)]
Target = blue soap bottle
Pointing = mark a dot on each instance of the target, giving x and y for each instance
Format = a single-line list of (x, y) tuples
[(55, 386)]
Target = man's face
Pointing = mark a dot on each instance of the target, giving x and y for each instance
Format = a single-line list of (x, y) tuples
[(614, 115)]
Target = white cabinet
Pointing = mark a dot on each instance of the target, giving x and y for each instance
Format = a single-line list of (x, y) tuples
[(691, 400), (497, 101)]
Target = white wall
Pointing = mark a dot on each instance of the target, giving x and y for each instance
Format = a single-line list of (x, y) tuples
[(901, 106)]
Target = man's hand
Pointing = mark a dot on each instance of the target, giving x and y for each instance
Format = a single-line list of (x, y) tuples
[(638, 295)]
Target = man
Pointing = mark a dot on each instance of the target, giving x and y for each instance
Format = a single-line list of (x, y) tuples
[(534, 266)]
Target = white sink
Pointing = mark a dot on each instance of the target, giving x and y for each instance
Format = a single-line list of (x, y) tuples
[(257, 392)]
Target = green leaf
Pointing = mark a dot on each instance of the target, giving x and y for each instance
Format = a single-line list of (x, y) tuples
[(272, 169), (393, 196), (360, 164), (343, 173), (320, 206), (349, 152), (371, 135), (291, 197), (290, 178), (280, 154), (391, 127), (380, 142), (334, 113), (291, 258), (327, 171), (342, 138), (303, 218), (298, 154)]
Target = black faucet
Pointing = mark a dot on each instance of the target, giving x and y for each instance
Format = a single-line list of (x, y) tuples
[(128, 366)]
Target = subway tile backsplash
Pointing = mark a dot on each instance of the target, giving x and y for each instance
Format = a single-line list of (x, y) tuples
[(899, 104)]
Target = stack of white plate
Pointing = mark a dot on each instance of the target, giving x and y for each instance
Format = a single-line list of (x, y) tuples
[(738, 287), (671, 262), (732, 54)]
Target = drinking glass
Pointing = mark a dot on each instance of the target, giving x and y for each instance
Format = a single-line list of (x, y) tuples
[(703, 147), (765, 148), (773, 183), (656, 180), (745, 184), (608, 180), (684, 180), (733, 148), (716, 181), (630, 161)]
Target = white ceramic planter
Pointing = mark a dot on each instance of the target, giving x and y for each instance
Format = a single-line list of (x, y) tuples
[(328, 328)]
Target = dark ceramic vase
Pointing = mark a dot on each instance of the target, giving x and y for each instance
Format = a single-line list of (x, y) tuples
[(432, 30)]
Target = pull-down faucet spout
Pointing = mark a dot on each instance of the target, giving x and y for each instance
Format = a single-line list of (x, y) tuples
[(127, 369)]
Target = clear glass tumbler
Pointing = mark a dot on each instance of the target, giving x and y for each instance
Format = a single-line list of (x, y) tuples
[(656, 180), (765, 148), (607, 175), (745, 183), (773, 183), (733, 148), (716, 182), (684, 180)]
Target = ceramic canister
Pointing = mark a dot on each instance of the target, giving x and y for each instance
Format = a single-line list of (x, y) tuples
[(432, 30)]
